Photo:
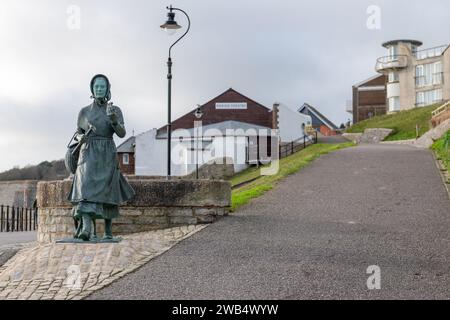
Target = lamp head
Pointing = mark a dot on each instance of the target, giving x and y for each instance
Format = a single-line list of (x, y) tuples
[(170, 26), (198, 112)]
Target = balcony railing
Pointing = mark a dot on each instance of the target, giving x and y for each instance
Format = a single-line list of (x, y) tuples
[(435, 79), (391, 63), (428, 103), (430, 53)]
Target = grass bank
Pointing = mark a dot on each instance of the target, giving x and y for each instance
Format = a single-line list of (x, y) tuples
[(403, 123), (441, 151), (288, 166)]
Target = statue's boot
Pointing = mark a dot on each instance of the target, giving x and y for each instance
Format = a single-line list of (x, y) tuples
[(86, 231), (108, 229), (78, 227), (94, 232)]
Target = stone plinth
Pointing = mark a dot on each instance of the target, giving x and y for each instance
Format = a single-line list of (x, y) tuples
[(158, 204)]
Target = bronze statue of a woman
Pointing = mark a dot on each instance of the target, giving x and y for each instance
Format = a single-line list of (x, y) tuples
[(98, 186)]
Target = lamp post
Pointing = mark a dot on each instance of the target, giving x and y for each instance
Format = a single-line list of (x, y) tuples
[(198, 114), (171, 26)]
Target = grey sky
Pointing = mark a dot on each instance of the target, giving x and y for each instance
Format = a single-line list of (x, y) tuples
[(287, 51)]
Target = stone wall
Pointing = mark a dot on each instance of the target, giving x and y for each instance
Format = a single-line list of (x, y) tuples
[(158, 204), (429, 137), (216, 169), (354, 137), (375, 135), (21, 193)]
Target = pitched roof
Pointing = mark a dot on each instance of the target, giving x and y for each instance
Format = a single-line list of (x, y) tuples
[(164, 128), (127, 146), (368, 80), (320, 116), (232, 90)]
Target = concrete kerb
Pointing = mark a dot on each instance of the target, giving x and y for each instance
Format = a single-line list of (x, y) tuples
[(445, 176)]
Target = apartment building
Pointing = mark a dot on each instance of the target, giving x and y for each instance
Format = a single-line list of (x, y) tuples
[(415, 77)]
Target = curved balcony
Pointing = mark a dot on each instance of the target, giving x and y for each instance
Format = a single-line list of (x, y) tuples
[(389, 63)]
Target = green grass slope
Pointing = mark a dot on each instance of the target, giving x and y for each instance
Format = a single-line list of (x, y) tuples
[(403, 123), (442, 149)]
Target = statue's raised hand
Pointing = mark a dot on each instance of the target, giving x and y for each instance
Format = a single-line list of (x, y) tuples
[(111, 113)]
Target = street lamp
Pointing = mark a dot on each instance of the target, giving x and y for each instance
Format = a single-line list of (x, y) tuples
[(171, 26), (198, 114)]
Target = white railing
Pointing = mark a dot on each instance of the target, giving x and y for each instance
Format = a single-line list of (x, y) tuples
[(441, 109), (391, 62), (430, 53)]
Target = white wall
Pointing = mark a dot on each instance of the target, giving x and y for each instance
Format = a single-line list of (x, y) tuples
[(151, 153), (290, 123), (220, 147)]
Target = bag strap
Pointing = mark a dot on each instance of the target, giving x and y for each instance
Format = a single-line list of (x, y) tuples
[(73, 137)]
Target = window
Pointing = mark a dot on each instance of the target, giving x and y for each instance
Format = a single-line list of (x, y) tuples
[(126, 158), (437, 73), (393, 53), (394, 104), (393, 77), (429, 74), (425, 98), (420, 99), (199, 144), (420, 76)]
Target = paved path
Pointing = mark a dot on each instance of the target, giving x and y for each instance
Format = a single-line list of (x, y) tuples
[(11, 242), (331, 139), (315, 235), (8, 238), (73, 271)]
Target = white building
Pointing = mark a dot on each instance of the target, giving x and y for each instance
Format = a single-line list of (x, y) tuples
[(231, 127)]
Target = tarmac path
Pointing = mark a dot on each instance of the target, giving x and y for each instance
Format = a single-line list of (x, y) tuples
[(315, 235)]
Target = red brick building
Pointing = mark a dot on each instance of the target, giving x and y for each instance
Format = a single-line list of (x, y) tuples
[(369, 98), (125, 152), (319, 121), (230, 105)]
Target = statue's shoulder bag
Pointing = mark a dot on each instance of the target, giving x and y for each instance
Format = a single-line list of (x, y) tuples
[(72, 154), (73, 150)]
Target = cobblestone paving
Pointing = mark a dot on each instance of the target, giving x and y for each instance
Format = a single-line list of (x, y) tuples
[(74, 271), (7, 251)]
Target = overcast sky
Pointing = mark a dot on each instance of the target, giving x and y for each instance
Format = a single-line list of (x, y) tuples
[(287, 51)]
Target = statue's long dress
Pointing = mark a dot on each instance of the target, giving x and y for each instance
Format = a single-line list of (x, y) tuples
[(98, 186)]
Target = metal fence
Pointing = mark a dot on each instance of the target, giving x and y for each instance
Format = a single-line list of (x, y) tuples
[(292, 147), (14, 219)]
